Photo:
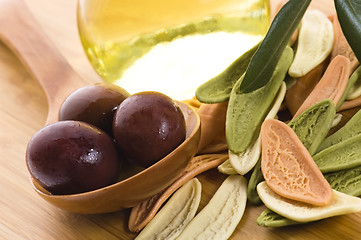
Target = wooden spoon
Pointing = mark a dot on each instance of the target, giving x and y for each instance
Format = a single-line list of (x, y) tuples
[(20, 31)]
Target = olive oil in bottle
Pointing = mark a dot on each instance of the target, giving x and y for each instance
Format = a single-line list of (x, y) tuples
[(171, 46)]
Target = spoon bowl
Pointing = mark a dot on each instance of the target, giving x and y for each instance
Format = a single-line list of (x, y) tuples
[(22, 34), (134, 189)]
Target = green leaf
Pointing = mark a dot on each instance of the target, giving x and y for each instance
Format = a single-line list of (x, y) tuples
[(349, 16), (278, 36)]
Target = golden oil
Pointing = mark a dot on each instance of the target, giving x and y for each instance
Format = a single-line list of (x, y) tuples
[(115, 33)]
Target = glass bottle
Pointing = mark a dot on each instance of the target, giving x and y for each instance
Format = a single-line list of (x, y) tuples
[(120, 36)]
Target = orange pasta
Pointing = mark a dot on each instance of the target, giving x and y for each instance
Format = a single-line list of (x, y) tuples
[(288, 167)]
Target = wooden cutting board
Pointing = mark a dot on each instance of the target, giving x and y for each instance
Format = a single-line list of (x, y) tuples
[(23, 110)]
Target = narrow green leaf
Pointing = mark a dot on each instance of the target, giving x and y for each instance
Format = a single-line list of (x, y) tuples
[(278, 36), (349, 16)]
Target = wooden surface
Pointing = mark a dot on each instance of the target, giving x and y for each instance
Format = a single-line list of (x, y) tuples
[(23, 111)]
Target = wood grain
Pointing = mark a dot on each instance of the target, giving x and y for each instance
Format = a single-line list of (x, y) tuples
[(23, 110), (21, 33)]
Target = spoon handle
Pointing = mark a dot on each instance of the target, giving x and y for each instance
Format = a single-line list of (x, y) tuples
[(23, 35)]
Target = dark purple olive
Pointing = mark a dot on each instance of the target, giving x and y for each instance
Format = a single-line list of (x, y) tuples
[(94, 104), (70, 157), (147, 126)]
